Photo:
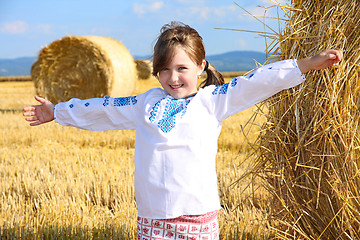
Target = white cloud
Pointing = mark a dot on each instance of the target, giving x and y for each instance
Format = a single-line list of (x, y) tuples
[(259, 11), (203, 12), (45, 28), (139, 8), (156, 6), (267, 7), (17, 27), (272, 2), (241, 43), (190, 1), (224, 10), (142, 8), (209, 12)]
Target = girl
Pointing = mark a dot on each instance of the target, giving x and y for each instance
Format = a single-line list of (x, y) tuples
[(178, 128)]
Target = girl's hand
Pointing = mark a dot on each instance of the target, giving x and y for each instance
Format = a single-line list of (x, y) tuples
[(39, 114), (320, 61)]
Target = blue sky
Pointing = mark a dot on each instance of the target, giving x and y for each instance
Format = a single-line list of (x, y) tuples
[(27, 26)]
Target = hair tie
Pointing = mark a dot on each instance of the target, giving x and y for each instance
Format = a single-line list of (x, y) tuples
[(206, 65)]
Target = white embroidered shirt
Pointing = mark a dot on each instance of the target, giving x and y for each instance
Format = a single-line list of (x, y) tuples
[(176, 139)]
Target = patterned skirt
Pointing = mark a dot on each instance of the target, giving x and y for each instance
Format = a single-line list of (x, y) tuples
[(189, 227)]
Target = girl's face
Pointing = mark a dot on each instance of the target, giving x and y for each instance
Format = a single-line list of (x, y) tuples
[(179, 78)]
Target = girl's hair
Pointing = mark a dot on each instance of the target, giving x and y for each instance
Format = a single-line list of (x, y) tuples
[(178, 34)]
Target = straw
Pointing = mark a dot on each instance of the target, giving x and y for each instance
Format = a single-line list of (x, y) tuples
[(83, 67), (144, 69), (309, 146)]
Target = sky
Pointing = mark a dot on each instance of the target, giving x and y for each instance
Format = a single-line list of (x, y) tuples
[(28, 26)]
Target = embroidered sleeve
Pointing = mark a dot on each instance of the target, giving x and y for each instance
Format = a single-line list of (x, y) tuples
[(243, 92), (98, 113)]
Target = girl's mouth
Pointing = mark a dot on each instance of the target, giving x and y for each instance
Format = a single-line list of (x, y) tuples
[(174, 87)]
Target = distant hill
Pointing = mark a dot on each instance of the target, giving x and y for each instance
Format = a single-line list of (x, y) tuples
[(236, 61), (226, 62), (17, 66)]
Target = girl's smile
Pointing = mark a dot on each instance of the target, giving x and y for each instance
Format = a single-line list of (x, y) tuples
[(179, 78), (176, 86)]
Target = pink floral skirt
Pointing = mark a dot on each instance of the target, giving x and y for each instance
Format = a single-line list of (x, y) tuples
[(189, 227)]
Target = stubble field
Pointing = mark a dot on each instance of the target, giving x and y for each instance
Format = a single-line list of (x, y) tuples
[(64, 183)]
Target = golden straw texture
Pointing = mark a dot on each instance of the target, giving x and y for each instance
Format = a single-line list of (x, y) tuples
[(310, 142), (83, 67), (144, 69)]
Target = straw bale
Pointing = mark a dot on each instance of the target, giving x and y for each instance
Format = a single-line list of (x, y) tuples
[(83, 67), (144, 69), (310, 144)]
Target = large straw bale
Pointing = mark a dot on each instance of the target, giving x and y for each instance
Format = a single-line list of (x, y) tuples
[(144, 69), (310, 144), (83, 67)]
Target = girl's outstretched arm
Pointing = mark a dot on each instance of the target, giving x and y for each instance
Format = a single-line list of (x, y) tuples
[(322, 60), (39, 114)]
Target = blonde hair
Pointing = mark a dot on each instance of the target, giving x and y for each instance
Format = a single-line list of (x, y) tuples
[(178, 34)]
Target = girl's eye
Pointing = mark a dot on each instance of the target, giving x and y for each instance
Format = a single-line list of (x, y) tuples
[(182, 68)]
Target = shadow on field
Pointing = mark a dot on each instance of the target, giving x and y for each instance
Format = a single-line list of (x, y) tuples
[(61, 232), (10, 110)]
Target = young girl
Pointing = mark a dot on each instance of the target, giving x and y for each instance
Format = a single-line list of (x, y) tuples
[(178, 128)]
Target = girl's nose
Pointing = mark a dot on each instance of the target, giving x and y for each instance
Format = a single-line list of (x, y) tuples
[(174, 77)]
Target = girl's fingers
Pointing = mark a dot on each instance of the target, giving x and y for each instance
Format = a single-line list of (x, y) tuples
[(335, 56), (40, 99), (332, 56), (338, 55), (29, 113), (39, 114), (338, 58), (31, 119), (29, 108), (35, 123)]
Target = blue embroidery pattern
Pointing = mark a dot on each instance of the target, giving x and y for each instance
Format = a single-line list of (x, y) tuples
[(222, 89), (87, 104), (71, 105), (233, 82), (154, 111), (124, 101), (106, 101), (174, 108)]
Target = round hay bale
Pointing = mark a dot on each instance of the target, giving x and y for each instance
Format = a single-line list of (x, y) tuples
[(83, 67), (144, 69), (309, 151)]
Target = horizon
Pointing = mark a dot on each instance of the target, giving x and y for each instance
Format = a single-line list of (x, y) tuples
[(148, 56)]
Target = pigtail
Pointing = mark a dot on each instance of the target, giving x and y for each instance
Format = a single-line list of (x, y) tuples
[(214, 77)]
